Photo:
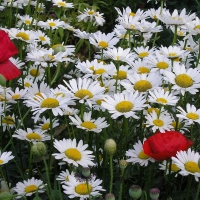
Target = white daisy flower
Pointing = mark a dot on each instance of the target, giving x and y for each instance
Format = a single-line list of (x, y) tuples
[(161, 97), (27, 82), (5, 157), (51, 24), (25, 20), (124, 104), (73, 153), (77, 187), (142, 66), (143, 52), (18, 94), (187, 162), (8, 122), (194, 27), (62, 4), (29, 187), (35, 72), (137, 155), (183, 80), (191, 115), (31, 135), (64, 176), (17, 62), (88, 124), (165, 166), (42, 37), (161, 122)]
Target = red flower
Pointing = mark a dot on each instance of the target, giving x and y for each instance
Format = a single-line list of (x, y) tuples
[(162, 146), (7, 49)]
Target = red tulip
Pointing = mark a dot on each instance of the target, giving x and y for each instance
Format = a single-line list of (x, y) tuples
[(7, 49), (162, 146)]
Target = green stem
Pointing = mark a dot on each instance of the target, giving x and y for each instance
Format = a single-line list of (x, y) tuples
[(126, 130), (56, 74), (188, 187), (88, 189), (121, 186), (111, 173), (30, 163), (198, 55), (175, 35), (198, 190)]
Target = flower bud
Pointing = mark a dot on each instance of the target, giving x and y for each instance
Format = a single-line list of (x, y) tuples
[(154, 193), (123, 164), (6, 196), (39, 149), (86, 172), (135, 191), (110, 146), (110, 196), (2, 80), (58, 48)]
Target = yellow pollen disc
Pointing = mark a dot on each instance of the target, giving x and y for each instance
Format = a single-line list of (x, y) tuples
[(142, 85), (34, 72), (103, 44), (124, 106), (174, 167), (192, 116), (192, 167), (197, 27), (67, 178), (99, 101), (183, 80), (91, 12), (142, 155), (83, 189), (59, 93), (52, 24), (83, 93), (28, 22), (51, 57), (16, 96), (89, 125), (42, 38), (27, 84), (180, 33), (91, 68), (143, 54), (8, 120), (33, 136), (155, 17), (39, 9), (117, 57), (38, 94), (1, 162), (172, 54), (178, 59), (121, 75), (162, 65), (45, 126), (62, 4), (132, 14), (23, 35), (99, 71), (132, 26), (150, 110), (143, 70), (188, 48), (50, 103), (31, 188), (158, 122), (161, 100), (174, 124), (73, 154)]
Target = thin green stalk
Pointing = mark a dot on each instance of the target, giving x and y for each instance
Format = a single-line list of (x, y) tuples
[(88, 189), (189, 187), (197, 194), (175, 35), (126, 131), (51, 134), (198, 55), (111, 173), (30, 163), (121, 186), (56, 74)]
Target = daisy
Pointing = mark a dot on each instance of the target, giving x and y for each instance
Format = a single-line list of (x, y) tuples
[(25, 20), (183, 79), (62, 4), (27, 82), (161, 97), (83, 90), (141, 66), (88, 124), (5, 157), (78, 187), (143, 52), (161, 122), (31, 135), (64, 176), (102, 40), (187, 161), (29, 187), (51, 24), (166, 165), (73, 153), (137, 155), (191, 115), (81, 34), (17, 62), (48, 102), (35, 72), (194, 27), (8, 122), (42, 37), (124, 104), (18, 94)]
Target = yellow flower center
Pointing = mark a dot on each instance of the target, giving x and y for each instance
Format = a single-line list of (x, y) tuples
[(150, 110), (1, 162), (142, 85), (162, 65), (155, 17), (103, 44), (89, 125), (67, 178), (180, 33), (52, 24), (121, 75), (73, 154), (197, 27), (143, 54), (158, 122), (132, 14), (143, 70), (91, 12), (192, 167), (124, 106), (34, 72), (16, 96), (83, 189), (28, 22), (59, 94), (174, 167), (62, 3), (172, 54), (38, 94), (174, 124), (23, 35), (83, 93), (27, 84), (161, 100), (30, 188), (183, 80), (42, 38), (33, 136), (45, 126), (99, 71), (50, 103), (192, 116), (188, 48), (142, 155), (8, 120), (50, 57), (99, 101)]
